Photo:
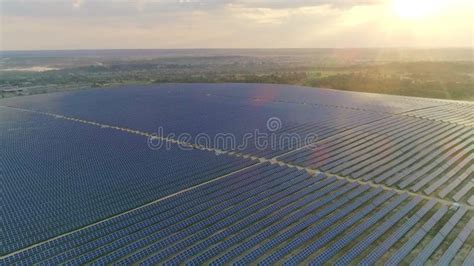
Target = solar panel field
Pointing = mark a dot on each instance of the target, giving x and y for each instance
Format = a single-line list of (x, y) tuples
[(388, 180)]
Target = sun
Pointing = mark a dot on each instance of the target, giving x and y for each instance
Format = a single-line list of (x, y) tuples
[(416, 9)]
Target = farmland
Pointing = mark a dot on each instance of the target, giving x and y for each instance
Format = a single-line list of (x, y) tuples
[(388, 179)]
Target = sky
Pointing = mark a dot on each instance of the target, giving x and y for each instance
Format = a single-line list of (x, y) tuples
[(148, 24)]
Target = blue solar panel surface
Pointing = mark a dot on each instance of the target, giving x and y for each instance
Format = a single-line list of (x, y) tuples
[(387, 180)]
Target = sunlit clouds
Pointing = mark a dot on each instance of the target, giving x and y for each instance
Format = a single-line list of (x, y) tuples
[(88, 24)]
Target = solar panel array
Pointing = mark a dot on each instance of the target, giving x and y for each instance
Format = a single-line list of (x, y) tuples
[(459, 113), (388, 180), (424, 156), (54, 182), (197, 110)]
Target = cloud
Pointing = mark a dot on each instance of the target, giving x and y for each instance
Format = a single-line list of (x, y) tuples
[(278, 16), (282, 4), (90, 24), (113, 8)]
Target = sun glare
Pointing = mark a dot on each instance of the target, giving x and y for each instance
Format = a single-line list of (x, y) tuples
[(416, 9)]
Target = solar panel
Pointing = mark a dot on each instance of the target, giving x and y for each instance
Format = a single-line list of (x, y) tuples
[(457, 243), (82, 186), (381, 249), (438, 238), (373, 236), (469, 259), (294, 230)]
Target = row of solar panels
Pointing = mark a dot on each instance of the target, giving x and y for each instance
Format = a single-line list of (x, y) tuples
[(447, 111), (60, 175), (459, 113), (411, 153), (272, 214), (288, 94), (294, 136)]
